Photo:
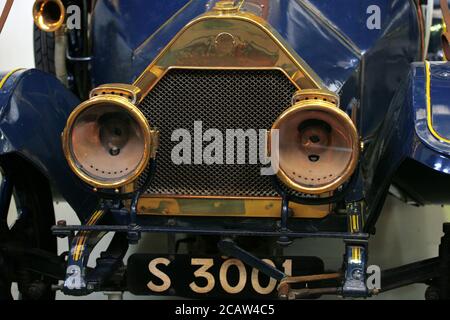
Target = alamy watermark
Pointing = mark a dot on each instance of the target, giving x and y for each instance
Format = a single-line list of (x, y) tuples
[(373, 281), (73, 17), (231, 147), (373, 21)]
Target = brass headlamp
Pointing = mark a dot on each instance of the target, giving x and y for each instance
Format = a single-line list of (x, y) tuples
[(107, 140), (318, 143)]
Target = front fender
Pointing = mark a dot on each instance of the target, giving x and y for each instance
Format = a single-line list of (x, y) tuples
[(413, 146), (432, 105), (34, 107)]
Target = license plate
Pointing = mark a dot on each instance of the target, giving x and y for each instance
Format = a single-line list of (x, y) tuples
[(210, 277)]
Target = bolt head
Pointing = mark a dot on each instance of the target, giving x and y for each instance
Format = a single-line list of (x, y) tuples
[(284, 241), (357, 274)]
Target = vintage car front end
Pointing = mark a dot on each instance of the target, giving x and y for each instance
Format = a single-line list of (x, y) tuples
[(242, 126), (227, 132)]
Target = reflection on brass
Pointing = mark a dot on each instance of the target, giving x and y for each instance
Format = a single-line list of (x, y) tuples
[(308, 94), (108, 141), (132, 93), (234, 40), (225, 43), (229, 207), (49, 15), (319, 144), (227, 6)]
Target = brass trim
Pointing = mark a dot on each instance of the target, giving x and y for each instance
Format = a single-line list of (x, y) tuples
[(135, 113), (193, 47), (185, 196), (132, 93), (40, 12), (303, 104), (165, 71), (175, 205), (323, 95)]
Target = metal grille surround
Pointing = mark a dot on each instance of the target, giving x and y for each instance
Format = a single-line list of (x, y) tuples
[(220, 99)]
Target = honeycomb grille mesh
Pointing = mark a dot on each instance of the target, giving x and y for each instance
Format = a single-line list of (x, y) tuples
[(221, 99)]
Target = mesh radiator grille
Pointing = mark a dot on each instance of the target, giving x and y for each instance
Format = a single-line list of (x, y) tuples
[(221, 99)]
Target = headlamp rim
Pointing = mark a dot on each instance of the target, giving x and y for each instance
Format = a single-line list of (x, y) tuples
[(135, 113), (329, 107), (49, 27)]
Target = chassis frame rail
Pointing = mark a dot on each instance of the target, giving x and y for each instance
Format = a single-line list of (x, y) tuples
[(63, 231)]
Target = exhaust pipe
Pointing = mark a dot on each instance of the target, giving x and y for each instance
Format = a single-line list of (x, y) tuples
[(49, 15)]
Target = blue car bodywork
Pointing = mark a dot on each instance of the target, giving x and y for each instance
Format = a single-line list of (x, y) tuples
[(34, 111), (366, 67), (399, 103)]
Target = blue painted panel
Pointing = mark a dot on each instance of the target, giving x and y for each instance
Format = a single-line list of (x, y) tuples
[(34, 107), (119, 27), (351, 17)]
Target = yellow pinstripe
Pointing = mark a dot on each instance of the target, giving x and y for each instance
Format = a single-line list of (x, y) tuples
[(428, 98), (79, 248)]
